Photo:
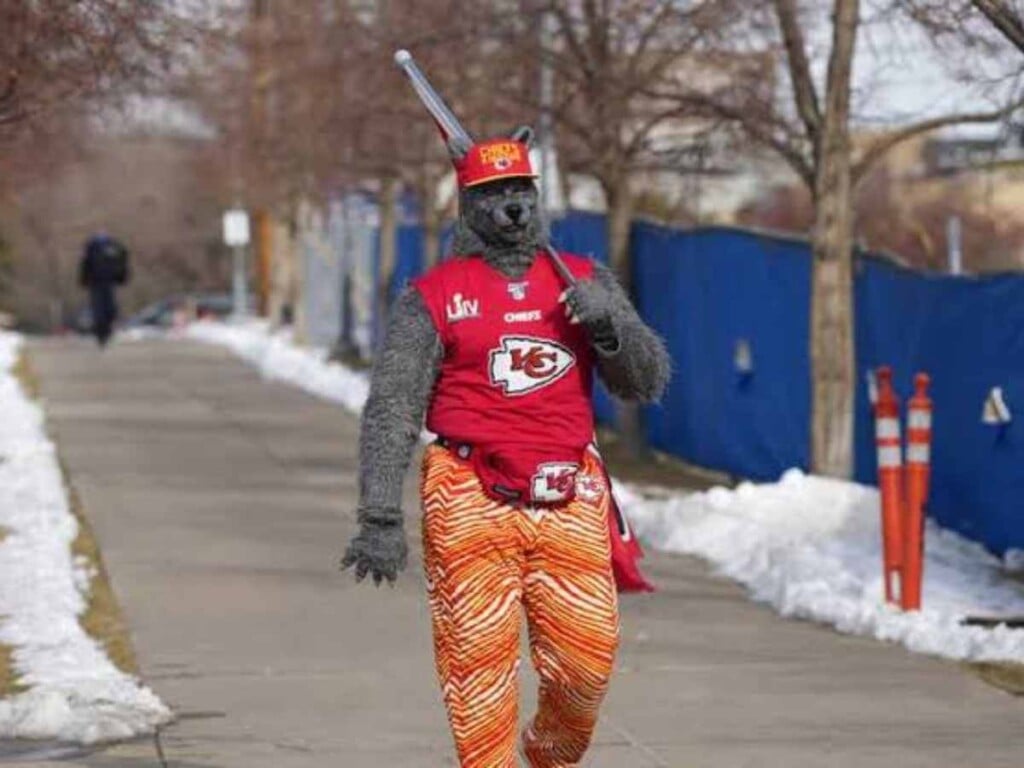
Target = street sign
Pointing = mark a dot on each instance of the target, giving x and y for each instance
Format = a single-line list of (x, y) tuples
[(236, 228)]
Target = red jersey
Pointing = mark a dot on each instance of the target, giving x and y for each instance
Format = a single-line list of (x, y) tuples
[(515, 380)]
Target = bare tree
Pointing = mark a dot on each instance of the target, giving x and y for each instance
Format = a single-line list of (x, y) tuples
[(309, 103), (143, 188), (621, 67), (812, 134), (55, 52)]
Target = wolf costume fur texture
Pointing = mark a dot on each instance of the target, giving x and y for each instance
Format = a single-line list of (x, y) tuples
[(500, 222)]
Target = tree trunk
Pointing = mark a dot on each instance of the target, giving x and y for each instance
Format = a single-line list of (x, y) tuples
[(832, 343), (620, 216), (832, 358), (263, 251)]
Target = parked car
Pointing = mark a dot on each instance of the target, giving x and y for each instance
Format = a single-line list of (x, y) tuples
[(162, 313)]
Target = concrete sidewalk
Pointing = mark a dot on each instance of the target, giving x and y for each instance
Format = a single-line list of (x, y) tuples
[(222, 503)]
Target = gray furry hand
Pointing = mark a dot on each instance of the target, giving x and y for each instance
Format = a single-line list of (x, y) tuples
[(592, 305), (380, 548)]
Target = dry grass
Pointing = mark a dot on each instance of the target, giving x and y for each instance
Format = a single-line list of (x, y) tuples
[(9, 685), (656, 469), (8, 680), (26, 376), (1004, 675), (103, 619)]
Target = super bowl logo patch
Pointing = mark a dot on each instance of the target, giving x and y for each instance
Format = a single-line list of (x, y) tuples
[(460, 308), (501, 156), (524, 364), (589, 487)]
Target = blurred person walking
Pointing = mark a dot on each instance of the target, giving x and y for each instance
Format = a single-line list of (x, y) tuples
[(104, 265)]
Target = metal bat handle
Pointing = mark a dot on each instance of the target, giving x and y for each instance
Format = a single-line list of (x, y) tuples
[(430, 98), (451, 127), (563, 271)]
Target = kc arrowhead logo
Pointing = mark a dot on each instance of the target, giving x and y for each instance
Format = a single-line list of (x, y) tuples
[(524, 364)]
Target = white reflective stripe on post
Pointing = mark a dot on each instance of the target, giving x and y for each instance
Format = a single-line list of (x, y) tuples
[(889, 456), (887, 429), (919, 453), (919, 419), (895, 583)]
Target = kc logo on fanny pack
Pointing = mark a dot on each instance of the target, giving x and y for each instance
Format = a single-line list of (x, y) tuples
[(524, 364), (554, 481)]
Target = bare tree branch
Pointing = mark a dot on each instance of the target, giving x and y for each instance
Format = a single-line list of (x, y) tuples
[(805, 95), (877, 149), (759, 129), (1008, 22)]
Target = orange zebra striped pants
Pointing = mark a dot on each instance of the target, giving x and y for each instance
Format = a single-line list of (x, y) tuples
[(486, 562)]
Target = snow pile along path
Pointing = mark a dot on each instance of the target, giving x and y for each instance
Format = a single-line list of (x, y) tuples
[(810, 547), (74, 691), (277, 357)]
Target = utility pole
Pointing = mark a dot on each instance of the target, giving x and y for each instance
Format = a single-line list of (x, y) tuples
[(550, 194), (954, 245)]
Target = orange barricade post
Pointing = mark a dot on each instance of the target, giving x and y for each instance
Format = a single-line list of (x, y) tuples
[(918, 475), (890, 481)]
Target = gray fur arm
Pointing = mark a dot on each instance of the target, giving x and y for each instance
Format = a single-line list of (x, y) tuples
[(403, 376), (632, 359)]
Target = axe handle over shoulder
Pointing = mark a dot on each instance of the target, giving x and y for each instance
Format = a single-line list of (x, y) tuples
[(563, 271), (443, 116)]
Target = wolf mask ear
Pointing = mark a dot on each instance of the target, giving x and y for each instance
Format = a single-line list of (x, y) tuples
[(524, 135), (458, 148)]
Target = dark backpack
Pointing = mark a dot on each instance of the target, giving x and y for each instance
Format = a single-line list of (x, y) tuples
[(115, 261)]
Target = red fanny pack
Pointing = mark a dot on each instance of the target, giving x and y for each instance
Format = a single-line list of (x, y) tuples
[(533, 477), (521, 475)]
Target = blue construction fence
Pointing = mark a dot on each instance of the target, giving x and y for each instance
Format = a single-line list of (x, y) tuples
[(733, 307)]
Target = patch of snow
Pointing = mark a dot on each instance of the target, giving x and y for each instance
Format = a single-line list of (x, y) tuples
[(277, 357), (810, 547), (75, 693)]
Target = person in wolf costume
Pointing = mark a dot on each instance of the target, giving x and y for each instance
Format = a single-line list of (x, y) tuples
[(499, 353)]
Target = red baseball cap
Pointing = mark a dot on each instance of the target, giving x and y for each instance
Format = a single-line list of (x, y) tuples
[(493, 160)]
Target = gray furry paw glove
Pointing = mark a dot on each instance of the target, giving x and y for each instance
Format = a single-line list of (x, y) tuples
[(380, 548), (592, 305)]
